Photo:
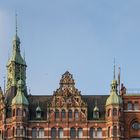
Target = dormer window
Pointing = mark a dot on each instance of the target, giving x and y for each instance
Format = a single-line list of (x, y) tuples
[(38, 112)]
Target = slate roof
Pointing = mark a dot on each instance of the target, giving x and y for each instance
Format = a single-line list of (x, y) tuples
[(44, 100)]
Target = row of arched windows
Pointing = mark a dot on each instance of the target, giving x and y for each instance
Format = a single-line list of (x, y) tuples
[(76, 133), (18, 132), (19, 112), (114, 131), (63, 114), (38, 133), (132, 106), (113, 112)]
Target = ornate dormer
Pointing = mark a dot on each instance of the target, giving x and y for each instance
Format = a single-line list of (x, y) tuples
[(96, 112), (38, 112), (67, 97)]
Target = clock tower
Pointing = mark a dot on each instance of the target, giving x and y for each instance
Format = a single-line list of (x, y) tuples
[(16, 70)]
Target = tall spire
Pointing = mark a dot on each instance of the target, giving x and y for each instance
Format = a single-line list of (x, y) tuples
[(114, 73), (16, 23)]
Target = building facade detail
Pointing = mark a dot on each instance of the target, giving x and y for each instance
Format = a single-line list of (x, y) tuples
[(66, 114)]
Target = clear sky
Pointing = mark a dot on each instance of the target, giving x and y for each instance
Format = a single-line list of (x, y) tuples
[(81, 36)]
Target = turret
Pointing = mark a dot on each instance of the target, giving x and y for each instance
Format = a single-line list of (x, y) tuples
[(20, 110), (16, 70), (114, 112)]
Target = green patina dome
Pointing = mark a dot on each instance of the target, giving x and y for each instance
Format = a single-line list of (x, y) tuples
[(20, 98), (114, 98)]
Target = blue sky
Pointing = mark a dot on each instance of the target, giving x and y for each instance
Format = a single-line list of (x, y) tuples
[(80, 36)]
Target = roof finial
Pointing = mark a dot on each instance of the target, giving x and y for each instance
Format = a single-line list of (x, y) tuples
[(16, 22), (114, 70)]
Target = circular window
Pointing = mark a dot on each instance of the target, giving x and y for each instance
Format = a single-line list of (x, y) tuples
[(136, 125)]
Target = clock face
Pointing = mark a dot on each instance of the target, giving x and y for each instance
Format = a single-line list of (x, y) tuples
[(136, 125)]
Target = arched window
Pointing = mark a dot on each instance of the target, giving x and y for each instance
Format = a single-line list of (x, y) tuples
[(38, 112), (24, 112), (24, 132), (76, 114), (18, 131), (41, 132), (99, 132), (53, 132), (114, 111), (19, 112), (34, 133), (57, 114), (14, 112), (115, 131), (92, 132), (13, 131), (8, 132), (109, 132), (136, 106), (80, 133), (129, 106), (72, 133), (70, 114), (0, 135), (60, 133), (63, 114), (109, 112)]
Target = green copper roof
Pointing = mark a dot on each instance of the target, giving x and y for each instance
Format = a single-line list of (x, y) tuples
[(114, 98), (16, 56), (20, 99), (96, 108), (38, 108)]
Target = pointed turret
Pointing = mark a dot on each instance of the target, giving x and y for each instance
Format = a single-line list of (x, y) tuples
[(20, 98), (114, 98), (16, 70)]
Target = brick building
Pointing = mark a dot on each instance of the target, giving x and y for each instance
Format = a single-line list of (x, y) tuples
[(67, 114)]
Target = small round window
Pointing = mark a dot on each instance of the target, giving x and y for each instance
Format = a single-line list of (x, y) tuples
[(136, 125)]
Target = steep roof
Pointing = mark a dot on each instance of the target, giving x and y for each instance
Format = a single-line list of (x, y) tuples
[(44, 100)]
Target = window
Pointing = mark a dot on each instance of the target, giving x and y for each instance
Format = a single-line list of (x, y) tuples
[(129, 106), (13, 131), (63, 114), (72, 133), (92, 132), (13, 112), (136, 106), (136, 125), (76, 114), (41, 132), (109, 112), (60, 133), (34, 133), (80, 133), (114, 111), (19, 112), (53, 133), (24, 113), (115, 131), (24, 132), (108, 131), (18, 131), (99, 132), (38, 114), (70, 114), (57, 114), (8, 132)]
